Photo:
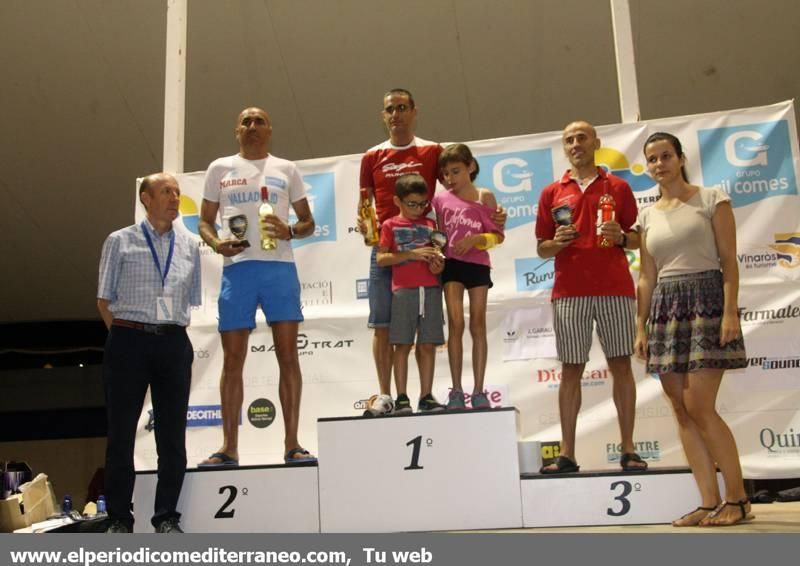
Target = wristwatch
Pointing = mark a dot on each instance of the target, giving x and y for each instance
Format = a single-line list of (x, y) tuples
[(291, 232), (624, 240)]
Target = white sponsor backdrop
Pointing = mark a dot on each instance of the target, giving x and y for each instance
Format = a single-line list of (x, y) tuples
[(752, 153)]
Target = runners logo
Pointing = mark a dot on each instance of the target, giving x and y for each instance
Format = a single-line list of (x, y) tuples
[(517, 179), (321, 195), (750, 162), (534, 273)]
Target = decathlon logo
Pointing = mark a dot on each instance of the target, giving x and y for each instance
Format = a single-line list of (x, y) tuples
[(534, 273), (517, 179), (321, 195), (750, 162), (204, 415)]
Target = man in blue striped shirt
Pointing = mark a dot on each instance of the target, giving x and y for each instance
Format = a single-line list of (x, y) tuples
[(149, 279)]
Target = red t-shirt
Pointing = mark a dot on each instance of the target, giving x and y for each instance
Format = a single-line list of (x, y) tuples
[(399, 234), (383, 164), (583, 269)]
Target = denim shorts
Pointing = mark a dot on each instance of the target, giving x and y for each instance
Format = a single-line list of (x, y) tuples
[(380, 293)]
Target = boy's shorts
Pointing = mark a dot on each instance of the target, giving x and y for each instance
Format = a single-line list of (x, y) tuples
[(417, 311)]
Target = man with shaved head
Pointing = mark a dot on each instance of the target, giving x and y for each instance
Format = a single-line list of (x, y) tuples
[(254, 275), (149, 279), (592, 286)]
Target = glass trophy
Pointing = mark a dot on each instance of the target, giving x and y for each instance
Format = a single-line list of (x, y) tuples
[(439, 241), (238, 227)]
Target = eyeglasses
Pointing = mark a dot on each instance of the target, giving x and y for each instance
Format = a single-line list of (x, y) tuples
[(400, 108), (414, 205)]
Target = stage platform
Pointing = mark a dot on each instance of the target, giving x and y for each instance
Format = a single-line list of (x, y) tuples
[(446, 471)]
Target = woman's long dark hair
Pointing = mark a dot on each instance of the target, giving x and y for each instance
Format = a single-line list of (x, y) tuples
[(674, 142)]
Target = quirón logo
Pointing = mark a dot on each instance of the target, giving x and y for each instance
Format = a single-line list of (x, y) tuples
[(517, 179), (750, 162)]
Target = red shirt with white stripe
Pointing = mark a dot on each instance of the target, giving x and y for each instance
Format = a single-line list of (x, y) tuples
[(383, 164)]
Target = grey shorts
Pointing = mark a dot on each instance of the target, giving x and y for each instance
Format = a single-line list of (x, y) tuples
[(412, 316), (575, 317)]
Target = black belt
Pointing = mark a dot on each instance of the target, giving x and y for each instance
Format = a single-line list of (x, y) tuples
[(158, 329)]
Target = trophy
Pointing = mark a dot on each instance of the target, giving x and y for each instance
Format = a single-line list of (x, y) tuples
[(562, 215), (439, 241), (238, 226)]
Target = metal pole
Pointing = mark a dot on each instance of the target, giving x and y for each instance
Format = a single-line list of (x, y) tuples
[(626, 65), (175, 86)]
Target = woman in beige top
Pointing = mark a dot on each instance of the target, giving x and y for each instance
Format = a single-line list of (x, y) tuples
[(688, 322)]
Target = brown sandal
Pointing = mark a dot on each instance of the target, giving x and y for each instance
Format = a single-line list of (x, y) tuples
[(744, 518), (708, 510)]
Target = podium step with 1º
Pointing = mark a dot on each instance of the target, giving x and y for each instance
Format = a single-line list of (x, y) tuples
[(420, 472)]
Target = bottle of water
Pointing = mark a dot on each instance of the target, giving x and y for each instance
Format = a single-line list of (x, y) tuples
[(101, 505), (66, 505)]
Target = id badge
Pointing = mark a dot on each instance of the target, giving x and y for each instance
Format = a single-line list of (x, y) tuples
[(164, 308)]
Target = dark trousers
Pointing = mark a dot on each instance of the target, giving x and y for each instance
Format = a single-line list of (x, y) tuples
[(133, 361)]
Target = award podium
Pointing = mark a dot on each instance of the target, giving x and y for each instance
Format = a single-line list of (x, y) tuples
[(449, 470)]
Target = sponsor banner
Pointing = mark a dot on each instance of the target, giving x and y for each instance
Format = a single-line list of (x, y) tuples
[(649, 450), (752, 154), (530, 334)]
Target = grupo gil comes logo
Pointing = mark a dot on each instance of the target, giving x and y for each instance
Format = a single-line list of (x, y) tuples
[(534, 273), (517, 179), (320, 193), (750, 163)]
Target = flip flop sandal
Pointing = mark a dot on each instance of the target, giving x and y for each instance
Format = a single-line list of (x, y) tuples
[(708, 510), (744, 518), (290, 459), (225, 461), (627, 458), (563, 466)]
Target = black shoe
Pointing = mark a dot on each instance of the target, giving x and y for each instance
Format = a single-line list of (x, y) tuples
[(428, 404), (118, 527), (402, 406), (169, 526)]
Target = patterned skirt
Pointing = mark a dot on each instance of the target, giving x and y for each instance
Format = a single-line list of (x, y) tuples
[(685, 320)]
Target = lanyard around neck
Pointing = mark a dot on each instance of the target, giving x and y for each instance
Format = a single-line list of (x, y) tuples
[(155, 255)]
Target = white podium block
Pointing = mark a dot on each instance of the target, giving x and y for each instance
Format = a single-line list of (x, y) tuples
[(608, 498), (420, 472), (248, 499)]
